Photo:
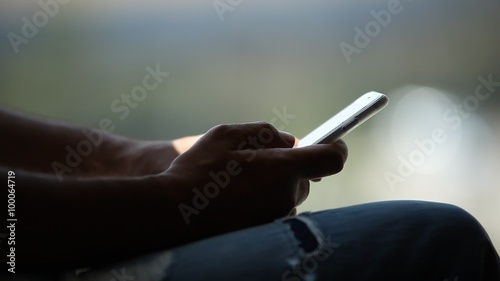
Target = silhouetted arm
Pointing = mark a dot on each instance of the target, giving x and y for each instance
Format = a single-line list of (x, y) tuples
[(63, 150)]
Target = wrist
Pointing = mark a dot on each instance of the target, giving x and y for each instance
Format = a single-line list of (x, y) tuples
[(130, 157), (121, 156), (111, 157), (151, 157)]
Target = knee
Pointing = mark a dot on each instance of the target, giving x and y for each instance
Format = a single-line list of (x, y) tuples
[(440, 219)]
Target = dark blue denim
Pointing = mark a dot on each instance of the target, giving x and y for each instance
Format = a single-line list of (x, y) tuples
[(384, 241)]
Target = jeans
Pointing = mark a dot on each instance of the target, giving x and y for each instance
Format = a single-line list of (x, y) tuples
[(393, 240)]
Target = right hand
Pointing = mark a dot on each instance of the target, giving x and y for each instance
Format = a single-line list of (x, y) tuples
[(249, 174)]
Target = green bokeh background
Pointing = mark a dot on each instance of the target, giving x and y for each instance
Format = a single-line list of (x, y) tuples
[(265, 55)]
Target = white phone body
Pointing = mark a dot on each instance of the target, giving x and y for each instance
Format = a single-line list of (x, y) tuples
[(346, 120)]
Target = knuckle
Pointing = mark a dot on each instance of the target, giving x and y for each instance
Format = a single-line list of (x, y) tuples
[(221, 129), (265, 125)]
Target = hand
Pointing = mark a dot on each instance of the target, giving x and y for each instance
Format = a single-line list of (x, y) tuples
[(242, 175)]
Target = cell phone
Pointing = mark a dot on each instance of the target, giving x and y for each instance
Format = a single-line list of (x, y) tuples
[(346, 120)]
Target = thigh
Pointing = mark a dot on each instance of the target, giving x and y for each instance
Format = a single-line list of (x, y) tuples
[(404, 240), (398, 240)]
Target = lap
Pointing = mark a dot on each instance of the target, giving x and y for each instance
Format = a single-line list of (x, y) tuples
[(394, 240)]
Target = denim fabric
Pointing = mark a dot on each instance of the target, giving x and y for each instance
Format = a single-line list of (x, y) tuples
[(393, 240), (396, 240)]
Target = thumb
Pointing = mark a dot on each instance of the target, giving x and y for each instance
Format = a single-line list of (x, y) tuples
[(317, 161)]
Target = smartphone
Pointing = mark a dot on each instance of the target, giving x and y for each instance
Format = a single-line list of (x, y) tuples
[(346, 120)]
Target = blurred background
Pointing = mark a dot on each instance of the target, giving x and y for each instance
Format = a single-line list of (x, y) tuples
[(240, 61)]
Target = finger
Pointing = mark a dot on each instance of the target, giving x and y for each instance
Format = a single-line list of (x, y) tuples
[(342, 148), (319, 161), (310, 162), (258, 135), (302, 191)]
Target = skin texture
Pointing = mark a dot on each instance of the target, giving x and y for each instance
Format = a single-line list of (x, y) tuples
[(129, 197)]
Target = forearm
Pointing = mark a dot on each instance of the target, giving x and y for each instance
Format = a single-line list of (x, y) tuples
[(68, 150), (45, 146), (93, 221)]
